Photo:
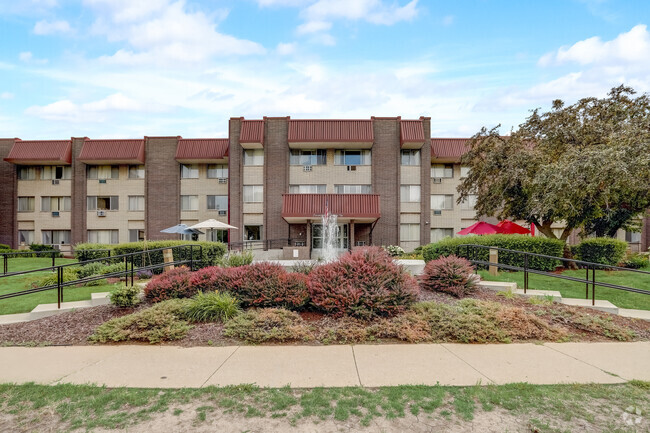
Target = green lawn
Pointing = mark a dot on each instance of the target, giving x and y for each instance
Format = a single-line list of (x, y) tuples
[(26, 303), (571, 289)]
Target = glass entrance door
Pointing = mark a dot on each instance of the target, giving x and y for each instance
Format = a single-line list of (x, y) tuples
[(342, 240)]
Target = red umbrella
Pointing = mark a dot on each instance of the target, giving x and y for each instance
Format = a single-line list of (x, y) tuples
[(512, 228), (481, 228)]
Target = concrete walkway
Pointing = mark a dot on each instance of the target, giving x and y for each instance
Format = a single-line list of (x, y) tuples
[(328, 366)]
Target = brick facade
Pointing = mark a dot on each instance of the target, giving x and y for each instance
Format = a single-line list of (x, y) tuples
[(386, 179), (276, 176), (162, 187), (8, 203)]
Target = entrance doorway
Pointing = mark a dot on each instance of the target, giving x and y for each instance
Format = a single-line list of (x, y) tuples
[(342, 240)]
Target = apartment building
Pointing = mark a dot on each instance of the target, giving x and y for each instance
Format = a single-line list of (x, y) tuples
[(272, 178)]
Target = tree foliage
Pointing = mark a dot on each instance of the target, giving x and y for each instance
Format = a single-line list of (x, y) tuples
[(586, 165)]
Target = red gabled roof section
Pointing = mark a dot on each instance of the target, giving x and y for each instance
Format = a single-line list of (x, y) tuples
[(451, 149), (411, 131), (353, 206), (331, 131), (112, 151), (252, 131), (201, 149), (40, 152)]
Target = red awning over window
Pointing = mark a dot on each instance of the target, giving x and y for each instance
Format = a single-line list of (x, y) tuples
[(302, 207), (331, 131), (46, 152), (448, 149), (201, 150), (411, 134), (112, 152), (252, 132)]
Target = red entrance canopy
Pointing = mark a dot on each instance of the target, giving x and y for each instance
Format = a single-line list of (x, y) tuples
[(481, 228), (512, 228)]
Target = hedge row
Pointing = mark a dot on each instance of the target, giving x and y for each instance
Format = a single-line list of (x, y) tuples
[(538, 245), (607, 251)]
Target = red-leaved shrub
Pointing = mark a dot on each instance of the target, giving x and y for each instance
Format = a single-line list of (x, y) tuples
[(171, 284), (364, 283), (213, 278), (451, 274), (268, 285)]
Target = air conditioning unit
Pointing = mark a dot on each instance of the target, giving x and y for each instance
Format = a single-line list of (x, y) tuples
[(55, 181), (102, 180), (223, 180), (352, 168), (306, 168), (101, 213), (56, 246), (437, 180), (55, 214), (223, 212), (437, 212), (360, 243)]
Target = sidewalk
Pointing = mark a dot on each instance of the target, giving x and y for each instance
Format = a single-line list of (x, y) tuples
[(328, 366)]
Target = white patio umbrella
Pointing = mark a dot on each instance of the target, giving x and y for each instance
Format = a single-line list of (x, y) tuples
[(212, 224)]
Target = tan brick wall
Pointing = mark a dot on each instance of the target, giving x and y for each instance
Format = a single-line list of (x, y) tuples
[(203, 187), (330, 174), (456, 219)]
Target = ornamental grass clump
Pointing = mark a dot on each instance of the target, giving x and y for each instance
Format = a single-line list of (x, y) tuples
[(451, 274), (171, 284), (365, 283), (212, 307), (268, 325)]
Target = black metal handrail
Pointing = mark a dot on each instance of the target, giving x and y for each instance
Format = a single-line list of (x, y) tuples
[(470, 254), (263, 244), (52, 253)]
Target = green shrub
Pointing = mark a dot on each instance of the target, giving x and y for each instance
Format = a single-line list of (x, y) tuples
[(233, 260), (116, 267), (162, 322), (94, 268), (212, 307), (125, 296), (69, 274), (94, 283), (635, 261), (538, 245), (82, 252), (45, 248), (268, 324), (394, 250), (4, 247), (606, 251)]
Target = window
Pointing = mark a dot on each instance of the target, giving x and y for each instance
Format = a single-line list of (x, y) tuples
[(136, 202), (254, 157), (464, 171), (409, 232), (103, 203), (189, 202), (308, 157), (307, 189), (341, 241), (189, 171), (218, 202), (442, 170), (439, 234), (103, 236), (352, 157), (253, 193), (136, 171), (353, 189), (633, 237), (217, 236), (469, 203), (25, 204), (217, 171), (410, 193), (410, 157), (56, 172), (252, 233), (136, 235), (26, 237), (55, 237), (103, 172), (27, 173), (442, 201), (55, 204)]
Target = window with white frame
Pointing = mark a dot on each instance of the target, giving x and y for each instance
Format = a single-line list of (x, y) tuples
[(218, 202), (308, 157), (464, 171), (103, 236), (410, 156), (633, 237), (136, 202), (439, 234), (307, 189), (103, 203), (55, 237), (103, 172), (352, 157), (410, 193), (442, 170), (253, 156), (56, 172), (55, 204), (469, 203), (409, 232), (353, 189), (189, 202), (25, 204), (136, 235), (189, 171), (217, 171), (136, 171), (442, 201), (26, 173), (26, 237), (253, 193)]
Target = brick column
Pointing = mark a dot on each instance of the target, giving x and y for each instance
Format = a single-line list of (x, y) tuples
[(162, 187), (425, 184), (276, 175), (79, 212), (386, 178), (235, 176), (8, 197)]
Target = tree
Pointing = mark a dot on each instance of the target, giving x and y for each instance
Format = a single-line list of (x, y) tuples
[(586, 165)]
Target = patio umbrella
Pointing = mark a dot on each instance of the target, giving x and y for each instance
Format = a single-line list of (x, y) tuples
[(512, 228), (182, 229), (481, 228), (212, 224)]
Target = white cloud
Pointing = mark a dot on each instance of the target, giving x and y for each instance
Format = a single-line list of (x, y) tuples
[(266, 3), (448, 20), (313, 27), (28, 57), (284, 49), (373, 11), (6, 95), (45, 27)]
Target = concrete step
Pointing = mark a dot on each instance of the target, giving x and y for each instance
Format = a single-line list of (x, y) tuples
[(415, 267), (499, 286), (100, 298), (6, 319), (600, 305), (46, 310), (635, 314), (557, 296)]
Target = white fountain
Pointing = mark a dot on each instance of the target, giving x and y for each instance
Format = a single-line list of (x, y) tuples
[(330, 250)]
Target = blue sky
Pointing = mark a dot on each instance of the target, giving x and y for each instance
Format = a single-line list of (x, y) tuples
[(125, 68)]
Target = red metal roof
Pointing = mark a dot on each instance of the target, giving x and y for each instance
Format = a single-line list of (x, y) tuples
[(448, 148), (359, 206), (411, 131), (334, 131), (112, 151), (252, 131), (45, 152), (201, 149)]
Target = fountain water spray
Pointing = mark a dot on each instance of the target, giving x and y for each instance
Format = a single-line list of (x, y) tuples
[(330, 237)]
